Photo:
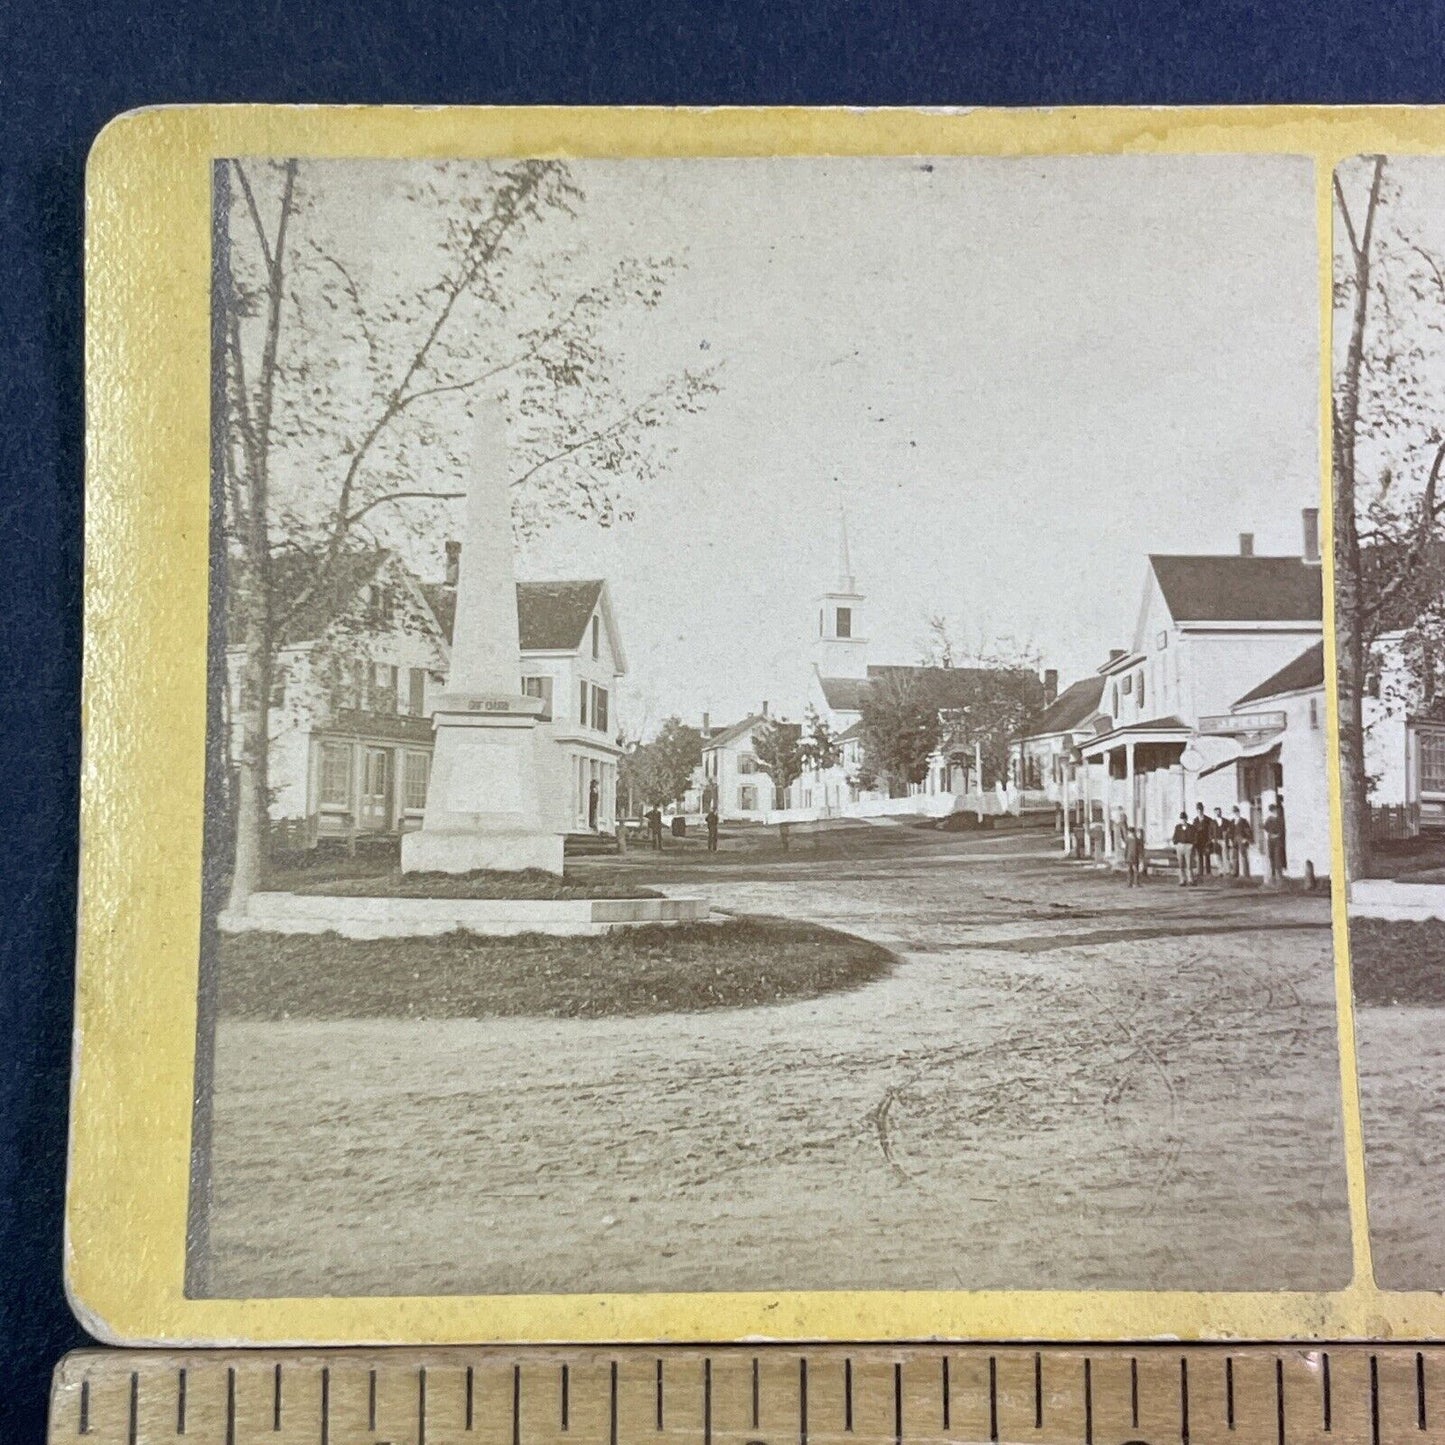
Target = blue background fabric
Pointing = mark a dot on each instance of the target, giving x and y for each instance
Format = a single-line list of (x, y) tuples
[(67, 69)]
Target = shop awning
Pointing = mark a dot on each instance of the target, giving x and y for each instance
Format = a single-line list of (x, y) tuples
[(1242, 752)]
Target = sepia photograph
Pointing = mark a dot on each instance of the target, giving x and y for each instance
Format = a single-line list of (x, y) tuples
[(1389, 415), (767, 726)]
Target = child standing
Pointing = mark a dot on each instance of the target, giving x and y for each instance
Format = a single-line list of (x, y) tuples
[(1134, 856)]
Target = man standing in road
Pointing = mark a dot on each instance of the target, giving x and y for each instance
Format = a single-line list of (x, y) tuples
[(1274, 843), (1243, 835), (1184, 849), (654, 826), (1201, 835), (712, 830)]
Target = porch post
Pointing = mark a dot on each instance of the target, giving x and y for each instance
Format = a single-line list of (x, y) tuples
[(1064, 771), (1129, 783), (1088, 809)]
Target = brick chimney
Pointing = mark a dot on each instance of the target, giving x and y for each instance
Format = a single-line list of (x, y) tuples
[(765, 707), (707, 725), (1246, 544), (454, 561), (1311, 519), (1115, 653), (1051, 684)]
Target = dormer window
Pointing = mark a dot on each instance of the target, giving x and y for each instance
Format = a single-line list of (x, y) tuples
[(844, 617)]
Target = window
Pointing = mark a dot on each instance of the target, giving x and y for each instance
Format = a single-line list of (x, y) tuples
[(1163, 639), (1432, 762), (599, 709), (360, 684), (582, 691), (1129, 684), (596, 636), (845, 621), (1314, 712), (414, 778), (416, 691), (747, 799), (540, 687), (384, 678), (1141, 690), (335, 783), (1115, 708), (747, 763), (380, 603)]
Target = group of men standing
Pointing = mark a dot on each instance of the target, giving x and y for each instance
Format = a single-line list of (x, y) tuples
[(1205, 845)]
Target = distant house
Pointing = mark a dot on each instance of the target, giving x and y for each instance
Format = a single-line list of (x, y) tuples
[(744, 791), (1041, 761), (358, 672)]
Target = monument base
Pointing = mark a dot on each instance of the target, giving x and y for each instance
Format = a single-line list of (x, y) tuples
[(483, 805), (464, 851)]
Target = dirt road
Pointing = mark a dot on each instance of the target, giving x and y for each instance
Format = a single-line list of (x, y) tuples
[(1063, 1085)]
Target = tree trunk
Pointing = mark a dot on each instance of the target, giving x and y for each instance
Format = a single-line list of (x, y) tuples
[(252, 788), (1352, 644)]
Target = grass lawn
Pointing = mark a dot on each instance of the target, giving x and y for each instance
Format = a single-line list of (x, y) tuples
[(481, 883), (739, 963), (1411, 860), (1400, 963)]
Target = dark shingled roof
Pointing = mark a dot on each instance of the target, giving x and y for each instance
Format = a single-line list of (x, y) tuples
[(292, 573), (722, 736), (1239, 589), (1305, 672), (1071, 709), (551, 616), (948, 686)]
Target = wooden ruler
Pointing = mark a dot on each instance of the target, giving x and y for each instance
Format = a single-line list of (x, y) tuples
[(774, 1395)]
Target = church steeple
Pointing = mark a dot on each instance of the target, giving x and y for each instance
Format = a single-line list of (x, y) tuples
[(841, 650)]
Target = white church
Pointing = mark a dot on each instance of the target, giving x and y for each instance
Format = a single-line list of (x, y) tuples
[(839, 678)]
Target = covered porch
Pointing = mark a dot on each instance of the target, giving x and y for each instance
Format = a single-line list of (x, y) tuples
[(1140, 773)]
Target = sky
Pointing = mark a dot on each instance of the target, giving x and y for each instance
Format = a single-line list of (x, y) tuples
[(1018, 377)]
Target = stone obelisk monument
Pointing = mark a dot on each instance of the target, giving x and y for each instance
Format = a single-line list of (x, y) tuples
[(483, 805)]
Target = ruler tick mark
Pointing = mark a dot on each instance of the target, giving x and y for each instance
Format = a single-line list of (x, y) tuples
[(1134, 1391), (371, 1401), (1374, 1400), (133, 1425), (897, 1404), (470, 1392), (707, 1401), (1088, 1401), (659, 1393), (516, 1405), (992, 1398), (1279, 1399), (230, 1406), (848, 1395), (757, 1393), (1419, 1390), (276, 1397), (85, 1407), (181, 1401), (947, 1402), (1038, 1391), (565, 1383), (803, 1402), (1325, 1390), (1229, 1391), (1183, 1400), (421, 1406), (612, 1407), (326, 1404)]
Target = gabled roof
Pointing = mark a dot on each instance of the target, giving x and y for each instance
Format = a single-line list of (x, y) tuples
[(726, 735), (551, 616), (947, 686), (1305, 673), (1071, 709), (1239, 589), (292, 574)]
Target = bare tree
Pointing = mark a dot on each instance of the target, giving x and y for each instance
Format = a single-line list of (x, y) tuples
[(346, 392), (1387, 455)]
